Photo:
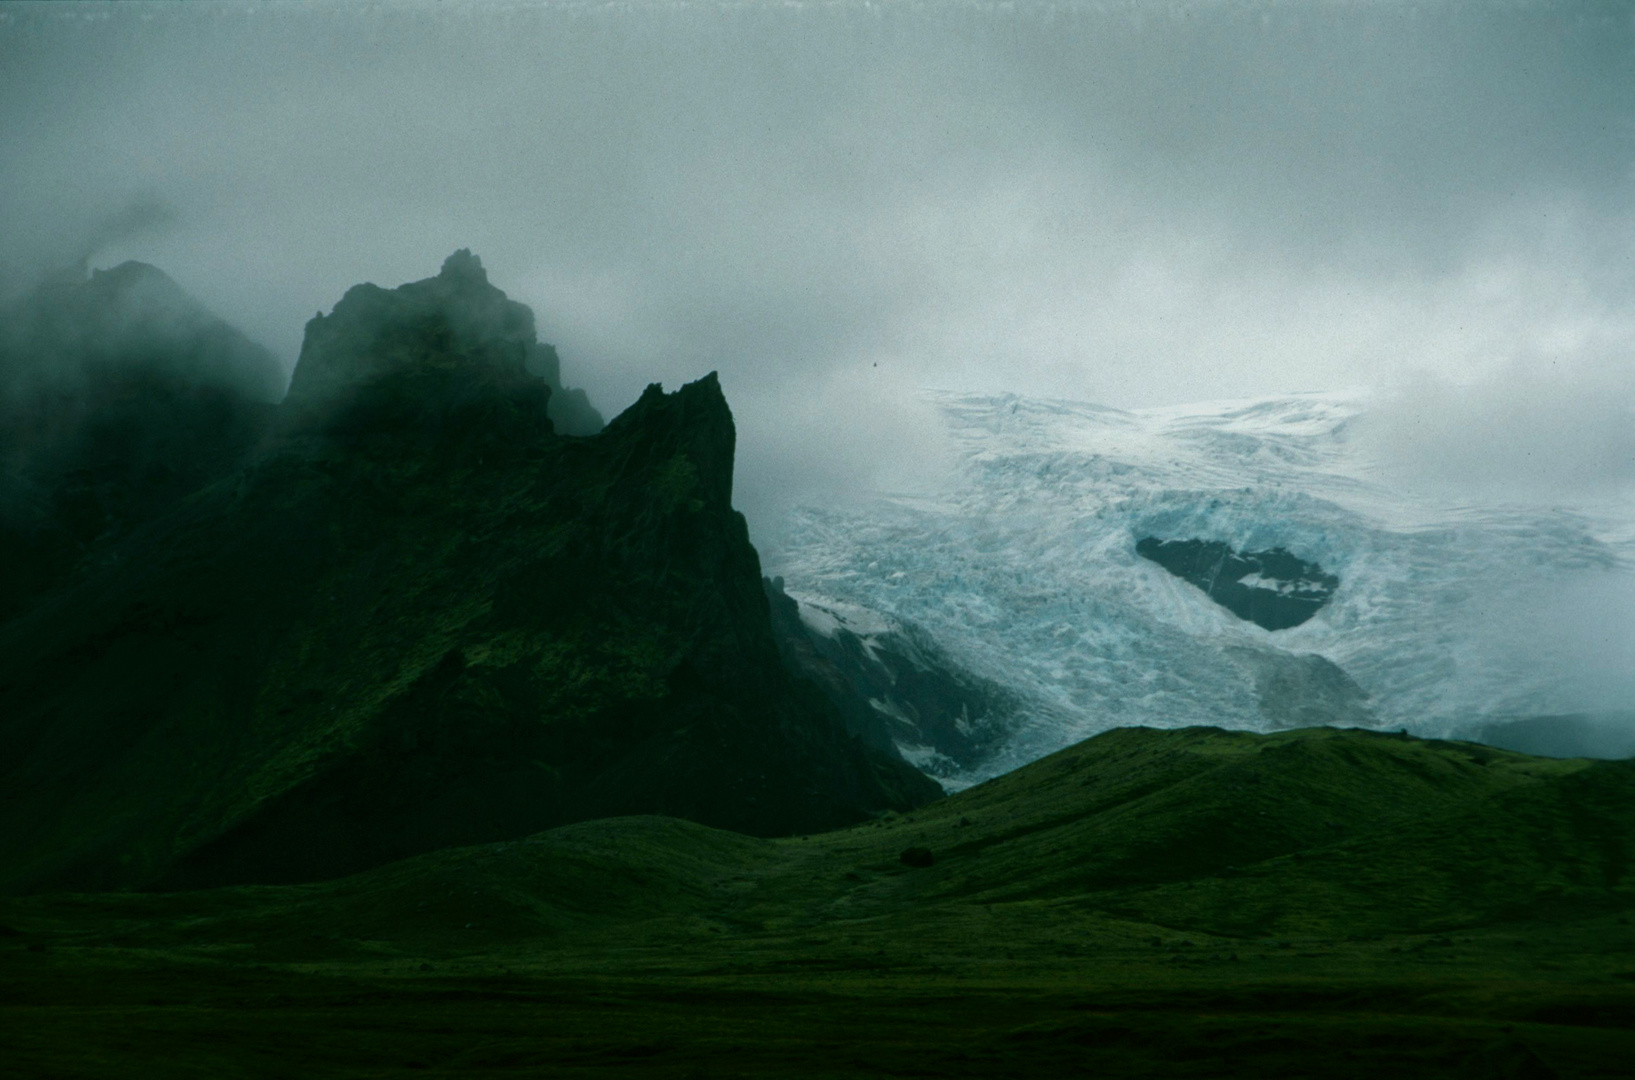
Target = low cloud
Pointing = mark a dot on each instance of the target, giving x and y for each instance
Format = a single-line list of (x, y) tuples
[(1591, 626), (1132, 204), (853, 432), (1534, 427), (145, 213), (69, 242)]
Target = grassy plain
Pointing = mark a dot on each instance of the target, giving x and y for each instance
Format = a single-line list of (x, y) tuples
[(1147, 903)]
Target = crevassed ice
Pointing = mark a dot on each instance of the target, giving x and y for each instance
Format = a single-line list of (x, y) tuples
[(1024, 568)]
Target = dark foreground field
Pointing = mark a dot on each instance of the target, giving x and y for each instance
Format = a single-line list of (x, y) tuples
[(1167, 904)]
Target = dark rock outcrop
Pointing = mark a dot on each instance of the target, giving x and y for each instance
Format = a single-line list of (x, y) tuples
[(420, 618), (1272, 589), (896, 689)]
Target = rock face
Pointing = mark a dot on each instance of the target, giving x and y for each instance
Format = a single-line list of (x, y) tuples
[(119, 396), (1272, 589), (896, 689), (420, 618)]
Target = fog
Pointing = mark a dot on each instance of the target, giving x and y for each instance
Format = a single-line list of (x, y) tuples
[(1534, 428), (834, 204)]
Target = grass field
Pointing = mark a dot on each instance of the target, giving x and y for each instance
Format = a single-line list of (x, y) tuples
[(1147, 903)]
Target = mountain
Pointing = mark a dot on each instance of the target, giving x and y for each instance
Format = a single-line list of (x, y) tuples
[(433, 726), (419, 617), (1047, 564), (120, 394)]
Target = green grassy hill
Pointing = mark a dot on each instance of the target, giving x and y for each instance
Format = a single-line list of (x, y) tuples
[(1147, 903)]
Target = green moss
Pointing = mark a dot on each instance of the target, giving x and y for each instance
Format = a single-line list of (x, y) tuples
[(586, 676), (674, 483)]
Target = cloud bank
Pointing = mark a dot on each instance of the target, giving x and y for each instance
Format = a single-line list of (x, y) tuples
[(832, 204)]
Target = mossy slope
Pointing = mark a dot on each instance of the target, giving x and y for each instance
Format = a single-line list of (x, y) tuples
[(1319, 832), (1147, 903)]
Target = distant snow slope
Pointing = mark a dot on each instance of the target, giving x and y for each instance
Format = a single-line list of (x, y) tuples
[(1025, 571)]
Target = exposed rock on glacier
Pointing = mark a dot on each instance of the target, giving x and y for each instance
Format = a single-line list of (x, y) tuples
[(1272, 589)]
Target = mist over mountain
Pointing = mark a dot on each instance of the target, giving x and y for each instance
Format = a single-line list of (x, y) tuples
[(1148, 609), (834, 205), (74, 327), (120, 394)]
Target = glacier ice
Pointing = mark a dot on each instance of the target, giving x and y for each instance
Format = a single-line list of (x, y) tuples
[(1023, 567)]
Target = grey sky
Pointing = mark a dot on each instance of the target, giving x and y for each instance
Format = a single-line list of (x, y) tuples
[(1128, 203)]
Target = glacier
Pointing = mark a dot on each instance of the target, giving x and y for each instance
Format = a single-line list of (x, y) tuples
[(1451, 611)]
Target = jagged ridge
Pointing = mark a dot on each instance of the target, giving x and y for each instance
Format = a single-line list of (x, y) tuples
[(422, 618)]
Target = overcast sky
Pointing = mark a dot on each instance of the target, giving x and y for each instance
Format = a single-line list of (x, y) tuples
[(834, 203)]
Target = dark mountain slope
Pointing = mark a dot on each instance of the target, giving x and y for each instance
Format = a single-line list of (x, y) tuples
[(893, 685), (422, 619)]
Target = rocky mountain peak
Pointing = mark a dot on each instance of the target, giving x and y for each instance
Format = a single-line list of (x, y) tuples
[(420, 617), (689, 435), (463, 266), (455, 331)]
